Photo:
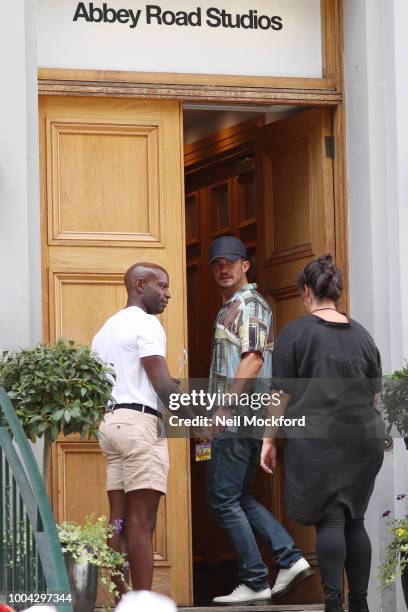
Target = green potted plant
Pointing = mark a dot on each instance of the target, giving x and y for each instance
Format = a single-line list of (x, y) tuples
[(396, 560), (88, 557), (56, 389), (395, 401)]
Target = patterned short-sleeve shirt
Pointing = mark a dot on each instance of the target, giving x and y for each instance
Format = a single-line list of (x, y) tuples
[(243, 325)]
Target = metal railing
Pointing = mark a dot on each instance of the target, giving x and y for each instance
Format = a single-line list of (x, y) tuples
[(31, 560)]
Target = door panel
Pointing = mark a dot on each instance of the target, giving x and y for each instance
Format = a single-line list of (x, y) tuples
[(295, 183), (103, 162), (74, 296), (296, 224), (112, 194)]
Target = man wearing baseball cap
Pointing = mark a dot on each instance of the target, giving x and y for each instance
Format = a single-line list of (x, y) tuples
[(242, 352)]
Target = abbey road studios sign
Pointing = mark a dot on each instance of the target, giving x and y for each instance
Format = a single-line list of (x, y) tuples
[(238, 37)]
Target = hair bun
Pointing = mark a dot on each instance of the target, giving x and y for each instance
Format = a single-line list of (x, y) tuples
[(323, 277), (326, 261), (327, 266)]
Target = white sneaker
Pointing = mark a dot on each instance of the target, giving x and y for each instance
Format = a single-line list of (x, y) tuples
[(243, 594), (288, 578)]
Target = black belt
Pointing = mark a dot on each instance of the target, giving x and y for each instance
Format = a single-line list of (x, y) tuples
[(139, 408)]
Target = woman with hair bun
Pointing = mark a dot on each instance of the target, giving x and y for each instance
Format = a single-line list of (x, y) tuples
[(327, 369)]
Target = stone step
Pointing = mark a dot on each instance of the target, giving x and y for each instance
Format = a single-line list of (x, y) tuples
[(244, 608), (247, 608), (255, 608)]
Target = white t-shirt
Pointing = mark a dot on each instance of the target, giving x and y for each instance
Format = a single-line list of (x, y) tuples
[(127, 336)]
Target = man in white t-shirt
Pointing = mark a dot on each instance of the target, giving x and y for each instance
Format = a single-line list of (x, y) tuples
[(134, 342)]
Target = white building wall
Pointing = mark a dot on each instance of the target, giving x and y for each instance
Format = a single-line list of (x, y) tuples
[(20, 290), (376, 55)]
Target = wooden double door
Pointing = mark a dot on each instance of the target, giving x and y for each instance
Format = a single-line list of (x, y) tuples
[(274, 191), (112, 194)]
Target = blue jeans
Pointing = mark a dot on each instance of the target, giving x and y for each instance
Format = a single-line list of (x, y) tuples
[(230, 474)]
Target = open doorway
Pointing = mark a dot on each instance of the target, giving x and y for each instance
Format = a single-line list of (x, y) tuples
[(112, 195), (265, 176)]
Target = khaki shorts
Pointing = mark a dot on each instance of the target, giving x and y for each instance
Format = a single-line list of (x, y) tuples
[(135, 457)]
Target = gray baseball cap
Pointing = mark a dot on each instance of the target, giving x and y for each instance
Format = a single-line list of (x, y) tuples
[(229, 247)]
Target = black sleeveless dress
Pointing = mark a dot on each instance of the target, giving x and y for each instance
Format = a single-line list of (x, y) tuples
[(332, 372)]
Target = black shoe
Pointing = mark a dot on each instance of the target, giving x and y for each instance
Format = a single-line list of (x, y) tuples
[(357, 603), (333, 600)]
